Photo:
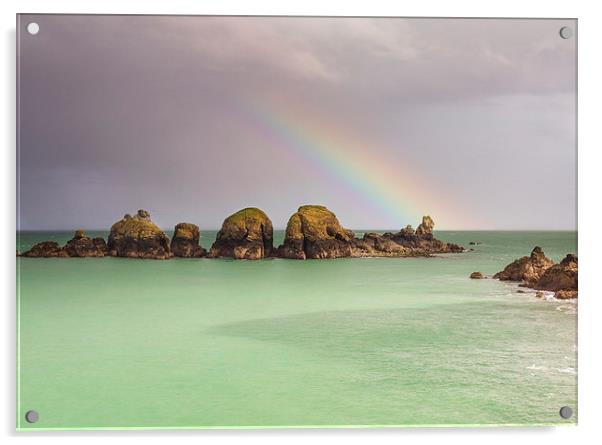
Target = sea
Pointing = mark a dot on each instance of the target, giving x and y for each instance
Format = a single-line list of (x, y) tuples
[(372, 342)]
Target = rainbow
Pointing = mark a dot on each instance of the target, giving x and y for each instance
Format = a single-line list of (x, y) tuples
[(397, 192)]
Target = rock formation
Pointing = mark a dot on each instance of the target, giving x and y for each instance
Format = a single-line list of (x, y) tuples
[(561, 278), (527, 269), (138, 237), (476, 275), (539, 272), (247, 234), (374, 244), (185, 241), (425, 228), (315, 232), (46, 249), (422, 238), (84, 246)]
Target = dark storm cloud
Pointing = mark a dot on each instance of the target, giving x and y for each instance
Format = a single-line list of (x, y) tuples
[(119, 113)]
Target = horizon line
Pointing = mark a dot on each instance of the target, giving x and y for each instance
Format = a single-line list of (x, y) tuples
[(355, 230)]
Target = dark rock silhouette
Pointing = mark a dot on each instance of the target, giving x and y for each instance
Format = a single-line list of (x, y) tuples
[(476, 275)]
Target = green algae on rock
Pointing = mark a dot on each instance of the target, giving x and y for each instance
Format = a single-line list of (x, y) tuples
[(315, 232), (138, 237), (247, 234)]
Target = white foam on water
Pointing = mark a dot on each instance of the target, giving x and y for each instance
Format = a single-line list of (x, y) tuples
[(568, 370)]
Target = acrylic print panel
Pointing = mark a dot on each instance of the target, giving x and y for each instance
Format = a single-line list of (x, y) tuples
[(295, 221)]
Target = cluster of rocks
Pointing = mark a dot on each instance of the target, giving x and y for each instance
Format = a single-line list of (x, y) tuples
[(79, 246), (538, 272), (313, 232)]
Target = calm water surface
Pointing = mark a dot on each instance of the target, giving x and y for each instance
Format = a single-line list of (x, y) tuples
[(182, 343)]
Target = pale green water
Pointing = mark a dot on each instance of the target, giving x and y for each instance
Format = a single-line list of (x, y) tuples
[(191, 343)]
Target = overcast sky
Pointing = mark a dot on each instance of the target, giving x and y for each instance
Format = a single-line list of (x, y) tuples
[(382, 120)]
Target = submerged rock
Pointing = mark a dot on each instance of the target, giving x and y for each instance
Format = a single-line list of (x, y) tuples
[(476, 275), (247, 234), (83, 246), (185, 241), (315, 232), (422, 239), (138, 237), (561, 278), (528, 269), (565, 294), (46, 249)]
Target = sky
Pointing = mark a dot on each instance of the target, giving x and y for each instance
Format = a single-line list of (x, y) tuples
[(382, 120)]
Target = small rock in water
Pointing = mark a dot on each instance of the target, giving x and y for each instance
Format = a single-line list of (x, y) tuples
[(476, 275), (540, 295)]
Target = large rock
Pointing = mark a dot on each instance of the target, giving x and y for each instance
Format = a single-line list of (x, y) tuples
[(84, 246), (46, 249), (528, 269), (247, 234), (315, 232), (138, 237), (561, 278), (185, 241), (422, 239)]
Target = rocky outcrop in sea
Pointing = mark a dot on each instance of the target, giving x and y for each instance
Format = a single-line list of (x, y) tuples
[(46, 249), (138, 237), (185, 241), (84, 246), (561, 278), (527, 269), (246, 234), (422, 238), (314, 232), (541, 273)]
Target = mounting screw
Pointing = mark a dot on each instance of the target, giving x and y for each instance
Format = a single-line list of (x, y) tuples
[(32, 416), (566, 32), (566, 412), (33, 28)]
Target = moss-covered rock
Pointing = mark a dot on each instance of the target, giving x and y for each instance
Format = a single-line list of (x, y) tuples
[(185, 241), (138, 237), (247, 234), (84, 246), (315, 232)]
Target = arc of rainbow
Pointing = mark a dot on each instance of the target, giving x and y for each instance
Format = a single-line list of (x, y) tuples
[(338, 152)]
